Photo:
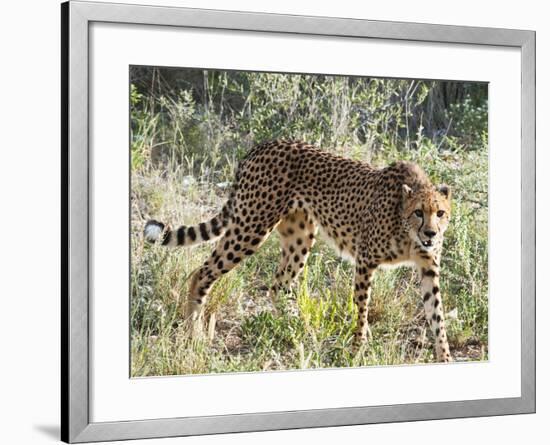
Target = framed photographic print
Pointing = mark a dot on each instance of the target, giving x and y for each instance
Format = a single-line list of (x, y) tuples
[(276, 222)]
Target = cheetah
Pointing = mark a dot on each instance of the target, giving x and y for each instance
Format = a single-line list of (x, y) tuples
[(373, 216)]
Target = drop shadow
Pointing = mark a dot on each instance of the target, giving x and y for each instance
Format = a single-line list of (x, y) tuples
[(51, 431)]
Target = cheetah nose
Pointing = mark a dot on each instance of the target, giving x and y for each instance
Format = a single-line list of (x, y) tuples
[(429, 233)]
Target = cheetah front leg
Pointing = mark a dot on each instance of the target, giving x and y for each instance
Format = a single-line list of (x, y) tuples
[(429, 284), (363, 288)]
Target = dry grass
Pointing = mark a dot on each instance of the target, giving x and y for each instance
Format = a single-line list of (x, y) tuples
[(250, 335), (177, 180)]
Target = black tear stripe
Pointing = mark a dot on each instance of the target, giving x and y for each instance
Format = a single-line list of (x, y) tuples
[(181, 236), (421, 225), (203, 231), (191, 233), (166, 238)]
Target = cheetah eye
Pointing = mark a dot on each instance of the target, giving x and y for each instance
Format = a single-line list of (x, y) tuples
[(418, 213), (440, 213)]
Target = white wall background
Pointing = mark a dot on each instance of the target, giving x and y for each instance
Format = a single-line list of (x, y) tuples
[(29, 220)]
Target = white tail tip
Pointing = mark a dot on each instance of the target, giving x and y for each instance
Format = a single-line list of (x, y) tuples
[(153, 231)]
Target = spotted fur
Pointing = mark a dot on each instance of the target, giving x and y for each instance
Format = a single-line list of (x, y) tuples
[(375, 216)]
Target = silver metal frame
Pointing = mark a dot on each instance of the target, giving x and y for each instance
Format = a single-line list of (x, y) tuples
[(76, 18)]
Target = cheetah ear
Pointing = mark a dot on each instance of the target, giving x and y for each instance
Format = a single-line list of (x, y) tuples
[(444, 190), (407, 191)]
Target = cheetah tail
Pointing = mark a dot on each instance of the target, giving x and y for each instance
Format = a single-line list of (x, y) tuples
[(156, 231)]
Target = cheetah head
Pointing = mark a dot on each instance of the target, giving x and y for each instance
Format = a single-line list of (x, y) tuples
[(426, 214)]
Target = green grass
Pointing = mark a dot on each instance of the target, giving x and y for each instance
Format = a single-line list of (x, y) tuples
[(313, 329), (182, 161)]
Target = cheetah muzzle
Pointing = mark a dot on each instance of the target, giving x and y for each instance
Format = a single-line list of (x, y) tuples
[(374, 216)]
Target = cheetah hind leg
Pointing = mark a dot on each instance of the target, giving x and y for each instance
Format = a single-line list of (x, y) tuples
[(297, 235), (235, 246)]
